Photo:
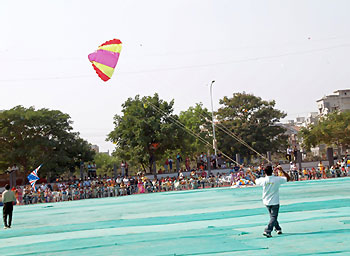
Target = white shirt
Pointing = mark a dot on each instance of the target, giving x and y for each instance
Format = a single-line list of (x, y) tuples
[(271, 185), (126, 181), (8, 196), (14, 168)]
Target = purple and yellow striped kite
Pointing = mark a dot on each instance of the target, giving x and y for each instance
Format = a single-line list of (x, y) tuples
[(105, 58)]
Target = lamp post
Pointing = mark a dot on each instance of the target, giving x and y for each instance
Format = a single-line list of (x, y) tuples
[(81, 167), (212, 118)]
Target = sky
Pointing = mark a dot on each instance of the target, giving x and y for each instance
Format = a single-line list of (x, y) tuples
[(292, 51)]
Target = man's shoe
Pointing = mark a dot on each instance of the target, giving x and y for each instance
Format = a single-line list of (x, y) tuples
[(5, 227), (279, 232), (8, 226), (268, 235)]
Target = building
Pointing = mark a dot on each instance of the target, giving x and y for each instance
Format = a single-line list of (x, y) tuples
[(339, 101), (95, 148), (311, 118), (292, 133), (299, 121)]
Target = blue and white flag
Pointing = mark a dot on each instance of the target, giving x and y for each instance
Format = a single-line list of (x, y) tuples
[(33, 177)]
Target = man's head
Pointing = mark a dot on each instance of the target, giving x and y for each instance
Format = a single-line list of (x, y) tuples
[(268, 170), (7, 187)]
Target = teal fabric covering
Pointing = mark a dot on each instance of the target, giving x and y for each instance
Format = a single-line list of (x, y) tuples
[(314, 216)]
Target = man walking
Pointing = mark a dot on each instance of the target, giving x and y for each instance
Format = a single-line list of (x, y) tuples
[(8, 199), (271, 184)]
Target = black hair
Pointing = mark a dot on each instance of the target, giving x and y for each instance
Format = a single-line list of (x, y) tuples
[(7, 187), (268, 170)]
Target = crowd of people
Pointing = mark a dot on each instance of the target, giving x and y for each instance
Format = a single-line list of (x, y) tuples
[(340, 169), (98, 187)]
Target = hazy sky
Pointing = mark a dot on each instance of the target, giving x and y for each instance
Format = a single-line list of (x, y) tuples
[(292, 51)]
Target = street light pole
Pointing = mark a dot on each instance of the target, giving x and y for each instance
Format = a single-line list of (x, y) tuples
[(212, 119)]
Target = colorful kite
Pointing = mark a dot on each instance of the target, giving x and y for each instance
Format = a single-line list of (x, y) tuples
[(33, 177), (105, 58)]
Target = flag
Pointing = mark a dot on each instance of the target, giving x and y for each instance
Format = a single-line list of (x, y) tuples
[(33, 177)]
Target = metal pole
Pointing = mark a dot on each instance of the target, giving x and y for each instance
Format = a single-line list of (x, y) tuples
[(209, 163), (82, 170), (212, 118), (269, 155), (115, 170)]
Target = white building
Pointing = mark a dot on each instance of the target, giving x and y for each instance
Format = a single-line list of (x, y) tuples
[(311, 118), (339, 101), (300, 121)]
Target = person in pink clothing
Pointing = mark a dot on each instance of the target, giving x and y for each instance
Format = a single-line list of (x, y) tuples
[(19, 195)]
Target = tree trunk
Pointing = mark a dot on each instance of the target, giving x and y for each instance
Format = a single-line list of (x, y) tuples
[(143, 167)]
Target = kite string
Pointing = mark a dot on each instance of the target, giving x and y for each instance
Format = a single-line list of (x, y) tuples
[(181, 125), (231, 134)]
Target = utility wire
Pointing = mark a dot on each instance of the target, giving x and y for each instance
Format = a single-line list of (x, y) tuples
[(193, 66), (181, 125), (231, 134)]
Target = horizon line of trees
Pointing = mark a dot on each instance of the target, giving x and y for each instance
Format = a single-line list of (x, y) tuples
[(146, 131)]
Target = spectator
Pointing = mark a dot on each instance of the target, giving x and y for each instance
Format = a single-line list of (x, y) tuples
[(166, 163), (170, 164), (13, 174), (289, 154), (295, 153), (8, 199), (187, 163)]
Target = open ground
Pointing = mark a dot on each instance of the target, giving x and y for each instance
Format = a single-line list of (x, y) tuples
[(314, 215)]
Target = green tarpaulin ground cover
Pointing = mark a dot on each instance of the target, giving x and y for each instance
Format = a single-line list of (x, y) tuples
[(314, 215)]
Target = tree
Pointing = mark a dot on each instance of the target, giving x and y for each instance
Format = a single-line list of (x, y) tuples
[(30, 137), (254, 121), (196, 119), (105, 163), (332, 129), (145, 130)]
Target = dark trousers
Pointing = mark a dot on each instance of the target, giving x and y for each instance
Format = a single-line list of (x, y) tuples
[(13, 179), (289, 157), (7, 211), (273, 210)]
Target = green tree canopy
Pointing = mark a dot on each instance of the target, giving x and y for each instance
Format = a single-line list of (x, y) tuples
[(332, 129), (105, 163), (253, 120), (143, 134), (196, 119), (30, 137)]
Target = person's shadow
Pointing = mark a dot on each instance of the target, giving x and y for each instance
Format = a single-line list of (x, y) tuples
[(337, 231)]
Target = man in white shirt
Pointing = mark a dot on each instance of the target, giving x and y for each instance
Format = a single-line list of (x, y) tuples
[(271, 200), (43, 187), (289, 154)]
